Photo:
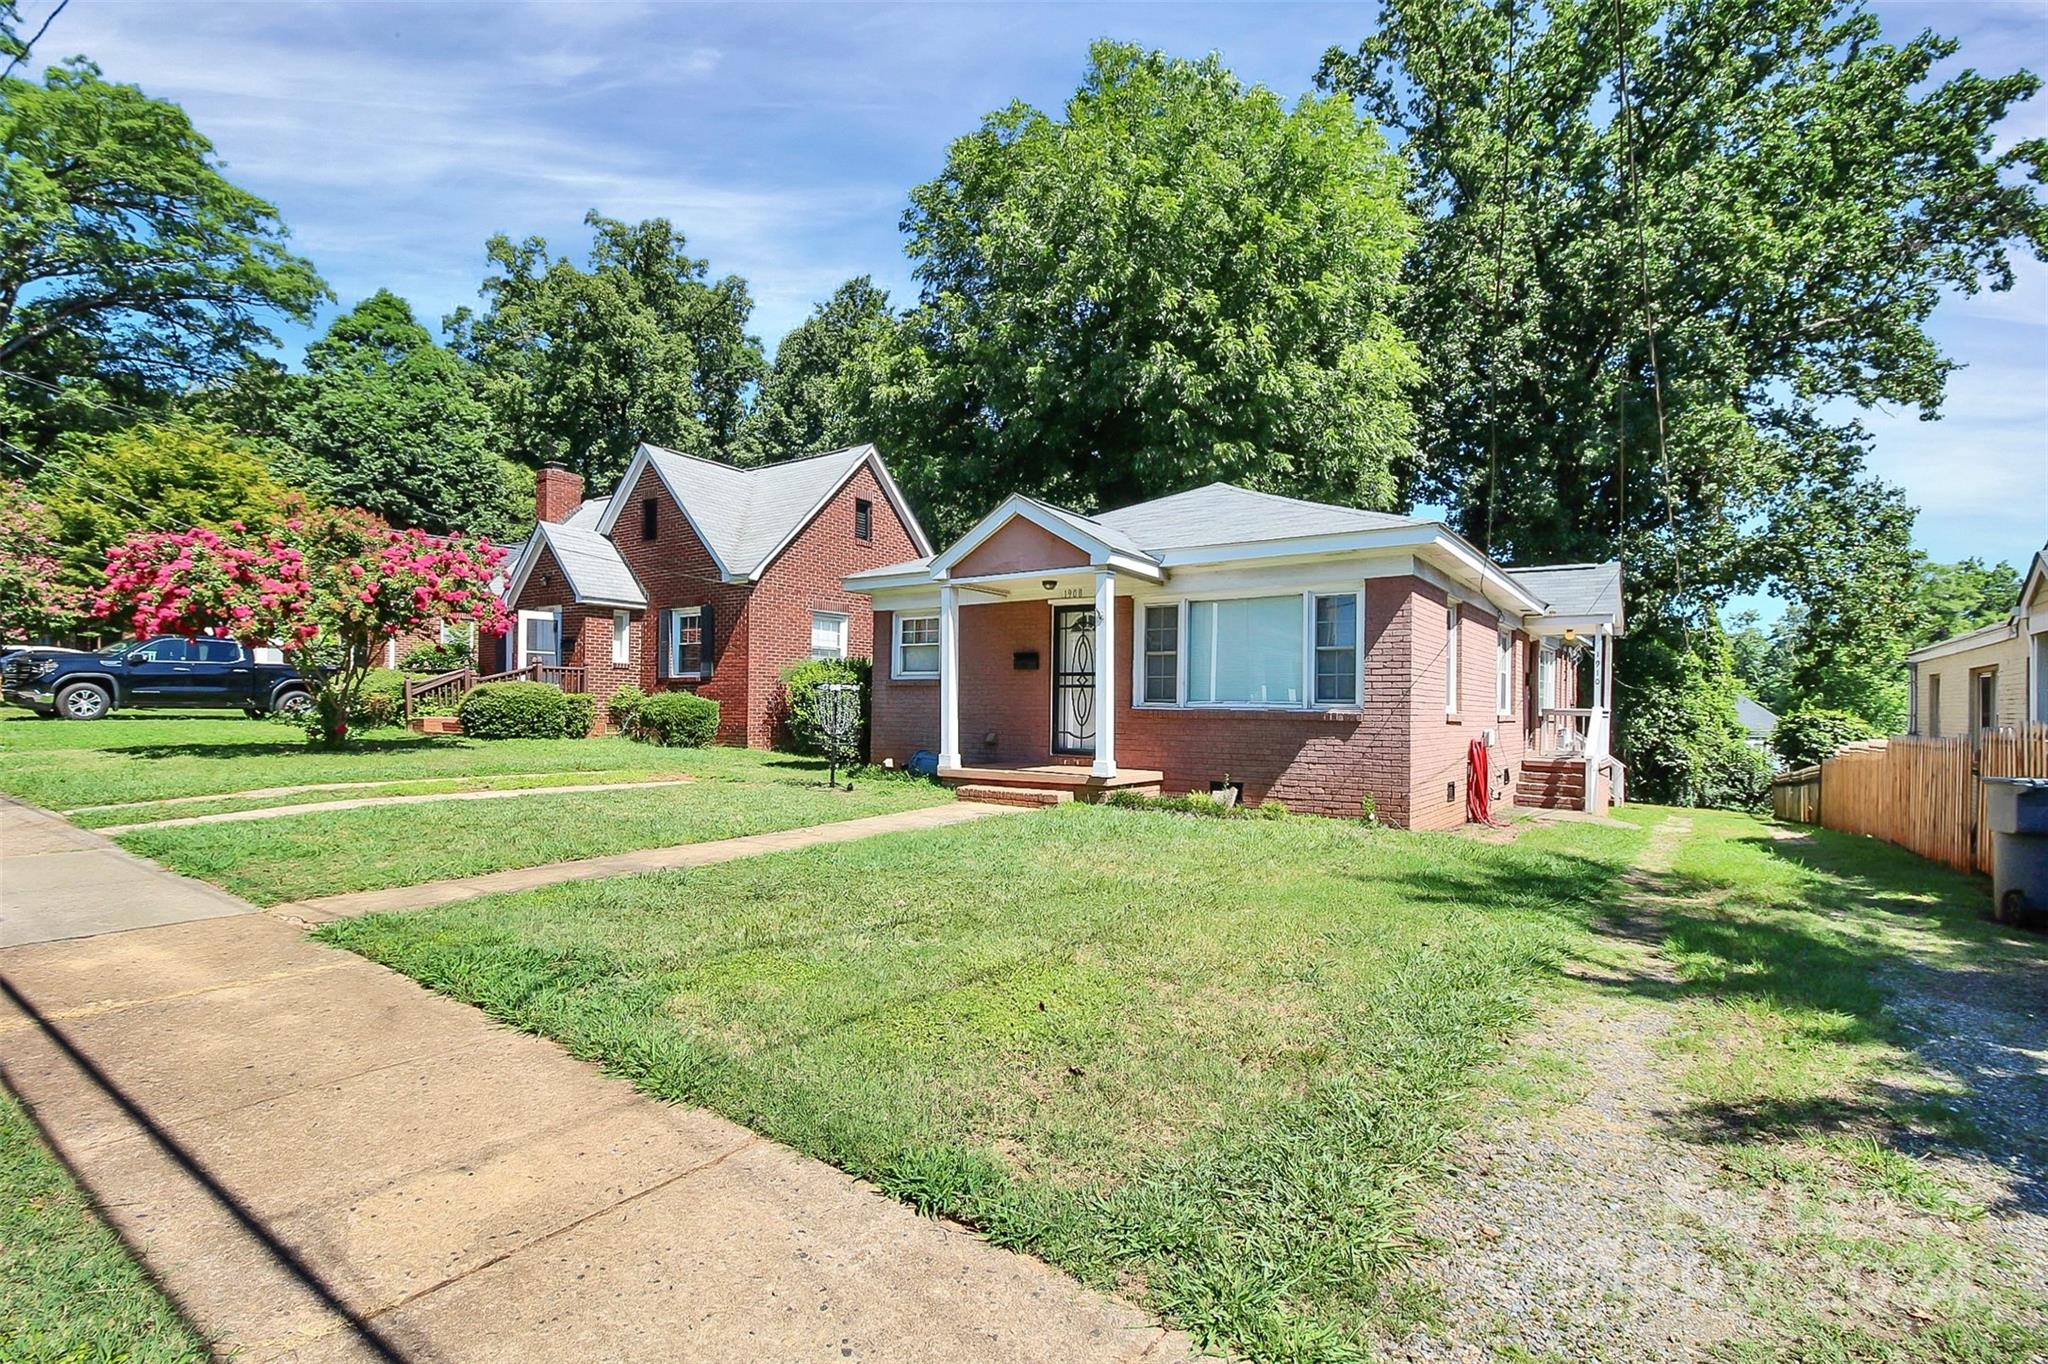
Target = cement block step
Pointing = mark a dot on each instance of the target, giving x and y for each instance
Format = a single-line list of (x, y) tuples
[(1032, 796)]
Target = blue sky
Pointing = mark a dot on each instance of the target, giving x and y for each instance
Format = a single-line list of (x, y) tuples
[(783, 140)]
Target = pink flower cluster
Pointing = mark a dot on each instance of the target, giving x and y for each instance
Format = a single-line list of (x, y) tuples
[(331, 577)]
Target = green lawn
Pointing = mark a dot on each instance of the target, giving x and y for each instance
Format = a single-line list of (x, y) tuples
[(294, 857), (69, 1291), (183, 807), (150, 755), (1201, 1061)]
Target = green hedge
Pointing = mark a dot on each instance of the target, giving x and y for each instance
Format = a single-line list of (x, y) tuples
[(1810, 735), (622, 706), (525, 710), (800, 682), (674, 719)]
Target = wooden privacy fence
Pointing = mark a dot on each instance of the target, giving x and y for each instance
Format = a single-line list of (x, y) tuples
[(1922, 794)]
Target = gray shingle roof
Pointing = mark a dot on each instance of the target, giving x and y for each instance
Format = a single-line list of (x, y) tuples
[(1223, 513), (1574, 589), (744, 515), (1754, 717), (589, 514), (596, 571)]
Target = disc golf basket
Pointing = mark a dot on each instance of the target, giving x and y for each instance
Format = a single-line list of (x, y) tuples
[(839, 724)]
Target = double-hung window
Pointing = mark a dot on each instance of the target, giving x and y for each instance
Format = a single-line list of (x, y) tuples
[(828, 634), (622, 637), (917, 646), (1504, 675), (1296, 650), (1451, 658), (686, 642)]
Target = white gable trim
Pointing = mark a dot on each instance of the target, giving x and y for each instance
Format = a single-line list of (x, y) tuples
[(643, 459), (1048, 519), (871, 460)]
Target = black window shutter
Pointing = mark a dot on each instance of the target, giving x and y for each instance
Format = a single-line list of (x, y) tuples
[(662, 654), (706, 635)]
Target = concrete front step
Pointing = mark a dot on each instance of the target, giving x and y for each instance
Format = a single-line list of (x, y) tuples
[(1028, 796)]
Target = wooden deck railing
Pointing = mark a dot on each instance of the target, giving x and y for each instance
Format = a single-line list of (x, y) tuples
[(441, 688)]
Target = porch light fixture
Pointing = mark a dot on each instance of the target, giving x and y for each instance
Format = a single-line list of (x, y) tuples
[(1049, 583), (1571, 636)]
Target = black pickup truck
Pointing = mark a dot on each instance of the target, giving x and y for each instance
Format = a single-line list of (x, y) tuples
[(166, 671)]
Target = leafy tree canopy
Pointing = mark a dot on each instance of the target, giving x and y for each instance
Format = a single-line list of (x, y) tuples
[(1953, 599), (1776, 195), (168, 475), (1178, 279), (581, 363), (1807, 736), (390, 420), (128, 262), (35, 597), (811, 398)]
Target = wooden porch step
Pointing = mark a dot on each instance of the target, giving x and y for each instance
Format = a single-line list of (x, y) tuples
[(1030, 796), (436, 724)]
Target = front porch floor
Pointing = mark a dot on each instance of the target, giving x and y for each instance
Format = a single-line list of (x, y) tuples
[(1045, 783)]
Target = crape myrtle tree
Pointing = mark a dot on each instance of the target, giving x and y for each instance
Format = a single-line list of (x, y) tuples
[(1175, 279), (1778, 197), (35, 598), (328, 586), (130, 267)]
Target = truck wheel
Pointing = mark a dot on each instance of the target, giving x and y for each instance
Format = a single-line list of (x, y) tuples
[(293, 703), (84, 701)]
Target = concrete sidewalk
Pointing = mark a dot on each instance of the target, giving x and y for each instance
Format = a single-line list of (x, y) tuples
[(325, 907), (61, 881), (322, 1161), (373, 802)]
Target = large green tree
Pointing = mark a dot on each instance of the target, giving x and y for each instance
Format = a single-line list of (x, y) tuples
[(812, 398), (129, 265), (391, 421), (1767, 194), (1176, 279), (581, 363)]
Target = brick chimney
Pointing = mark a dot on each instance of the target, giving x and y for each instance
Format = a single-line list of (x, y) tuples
[(557, 492)]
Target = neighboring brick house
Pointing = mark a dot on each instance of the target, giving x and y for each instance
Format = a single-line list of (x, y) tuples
[(1312, 654), (706, 577)]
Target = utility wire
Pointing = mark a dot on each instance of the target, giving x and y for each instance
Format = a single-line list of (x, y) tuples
[(131, 506), (1507, 148), (102, 404), (1643, 272)]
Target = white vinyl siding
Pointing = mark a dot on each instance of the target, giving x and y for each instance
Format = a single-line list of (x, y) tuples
[(828, 634), (917, 646)]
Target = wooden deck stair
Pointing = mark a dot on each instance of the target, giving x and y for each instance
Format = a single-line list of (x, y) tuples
[(1551, 784)]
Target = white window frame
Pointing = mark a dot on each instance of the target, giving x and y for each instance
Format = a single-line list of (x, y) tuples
[(1504, 675), (1308, 596), (519, 640), (676, 616), (1142, 682), (1452, 618), (845, 624), (622, 638), (896, 668)]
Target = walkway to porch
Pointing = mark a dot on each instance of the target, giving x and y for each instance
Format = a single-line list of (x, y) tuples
[(1045, 783)]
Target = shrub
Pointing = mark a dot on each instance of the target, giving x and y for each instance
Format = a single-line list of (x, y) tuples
[(620, 709), (1809, 735), (674, 719), (1193, 804), (437, 658), (524, 710), (801, 724), (381, 702)]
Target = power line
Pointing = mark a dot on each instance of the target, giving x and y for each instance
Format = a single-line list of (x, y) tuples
[(102, 404), (1507, 147), (39, 464), (1649, 303)]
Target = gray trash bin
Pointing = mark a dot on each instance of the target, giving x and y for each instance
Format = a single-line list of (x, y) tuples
[(2016, 817)]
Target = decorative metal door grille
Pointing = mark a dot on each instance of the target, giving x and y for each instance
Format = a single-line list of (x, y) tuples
[(1073, 679)]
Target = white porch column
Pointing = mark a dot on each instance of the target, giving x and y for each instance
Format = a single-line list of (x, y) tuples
[(1105, 674), (949, 675), (1596, 728)]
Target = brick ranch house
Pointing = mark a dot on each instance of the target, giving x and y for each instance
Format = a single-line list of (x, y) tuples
[(1312, 654), (700, 576)]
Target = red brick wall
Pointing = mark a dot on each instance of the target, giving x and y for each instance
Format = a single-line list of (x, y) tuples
[(587, 631), (805, 578), (1323, 762), (1441, 741)]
